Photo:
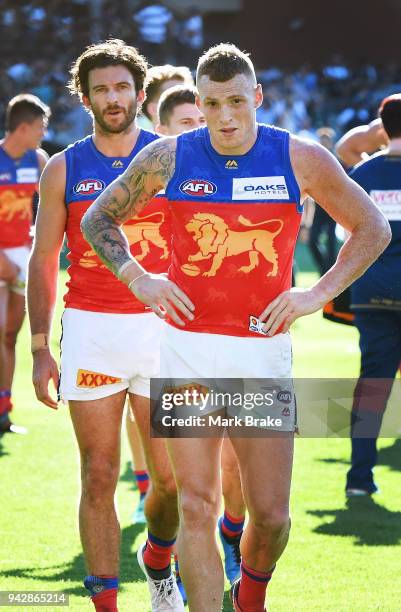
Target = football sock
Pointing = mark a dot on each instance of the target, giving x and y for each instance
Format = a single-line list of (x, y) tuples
[(157, 557), (103, 590), (142, 481), (5, 406), (252, 588), (177, 567), (232, 527)]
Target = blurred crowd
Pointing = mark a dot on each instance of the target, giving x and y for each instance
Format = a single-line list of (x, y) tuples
[(338, 95), (39, 40)]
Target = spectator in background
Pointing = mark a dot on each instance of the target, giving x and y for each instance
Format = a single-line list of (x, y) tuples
[(154, 22), (189, 37), (323, 226)]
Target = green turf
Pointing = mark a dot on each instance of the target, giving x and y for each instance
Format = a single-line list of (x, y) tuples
[(340, 558)]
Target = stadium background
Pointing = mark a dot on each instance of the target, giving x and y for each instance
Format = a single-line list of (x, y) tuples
[(320, 65)]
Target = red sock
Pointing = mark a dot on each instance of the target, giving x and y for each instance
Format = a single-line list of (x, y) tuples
[(5, 401), (106, 601), (232, 527), (252, 589), (157, 554), (142, 481)]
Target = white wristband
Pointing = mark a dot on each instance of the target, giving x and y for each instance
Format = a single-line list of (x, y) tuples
[(124, 266), (135, 279)]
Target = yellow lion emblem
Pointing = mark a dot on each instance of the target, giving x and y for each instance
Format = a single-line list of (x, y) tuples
[(12, 205), (144, 232), (216, 242)]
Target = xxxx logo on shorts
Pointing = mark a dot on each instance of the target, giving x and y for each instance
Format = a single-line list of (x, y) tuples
[(90, 380)]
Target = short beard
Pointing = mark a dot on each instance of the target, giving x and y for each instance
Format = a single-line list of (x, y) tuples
[(105, 127)]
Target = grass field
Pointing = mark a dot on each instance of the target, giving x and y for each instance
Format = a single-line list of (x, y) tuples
[(340, 557)]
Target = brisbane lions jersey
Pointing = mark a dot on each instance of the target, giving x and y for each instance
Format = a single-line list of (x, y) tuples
[(18, 183), (92, 286), (235, 221)]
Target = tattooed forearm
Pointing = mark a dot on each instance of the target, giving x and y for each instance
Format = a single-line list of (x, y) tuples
[(148, 173)]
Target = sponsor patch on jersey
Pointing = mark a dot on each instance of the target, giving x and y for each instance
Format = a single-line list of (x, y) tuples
[(27, 175), (5, 176), (195, 187), (256, 325), (389, 202), (260, 188), (90, 380), (89, 186)]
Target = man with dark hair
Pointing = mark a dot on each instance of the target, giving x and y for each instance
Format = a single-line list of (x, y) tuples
[(376, 300), (100, 362), (235, 190), (21, 163), (158, 80), (177, 111)]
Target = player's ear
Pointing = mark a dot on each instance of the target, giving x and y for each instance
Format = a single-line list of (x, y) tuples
[(152, 110), (198, 102), (86, 102), (161, 129), (140, 97), (258, 95)]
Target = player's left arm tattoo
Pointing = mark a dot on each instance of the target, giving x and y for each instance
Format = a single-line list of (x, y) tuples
[(147, 174)]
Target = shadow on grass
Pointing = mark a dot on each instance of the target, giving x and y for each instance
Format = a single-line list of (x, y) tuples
[(227, 605), (74, 571), (363, 519), (3, 452), (128, 475), (389, 456)]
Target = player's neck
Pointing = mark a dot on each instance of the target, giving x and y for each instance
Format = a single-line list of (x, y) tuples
[(394, 146), (13, 146), (116, 145), (242, 149)]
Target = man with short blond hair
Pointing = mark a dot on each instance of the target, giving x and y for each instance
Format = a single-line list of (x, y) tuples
[(236, 191)]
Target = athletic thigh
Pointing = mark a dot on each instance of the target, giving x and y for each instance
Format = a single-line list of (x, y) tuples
[(196, 467), (97, 425), (4, 293), (15, 312), (266, 468)]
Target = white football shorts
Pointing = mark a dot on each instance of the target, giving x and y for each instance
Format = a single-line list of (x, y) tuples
[(260, 367), (20, 256), (104, 353)]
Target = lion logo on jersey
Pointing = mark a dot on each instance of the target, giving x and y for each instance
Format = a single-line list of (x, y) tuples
[(13, 204), (143, 232), (216, 242)]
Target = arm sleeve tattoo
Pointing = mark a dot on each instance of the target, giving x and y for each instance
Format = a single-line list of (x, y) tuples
[(147, 174)]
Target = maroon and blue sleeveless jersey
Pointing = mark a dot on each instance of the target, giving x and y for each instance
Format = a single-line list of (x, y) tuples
[(380, 286), (235, 221), (18, 183), (92, 286)]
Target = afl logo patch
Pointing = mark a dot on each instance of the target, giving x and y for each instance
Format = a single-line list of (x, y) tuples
[(198, 188), (89, 186), (285, 397)]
